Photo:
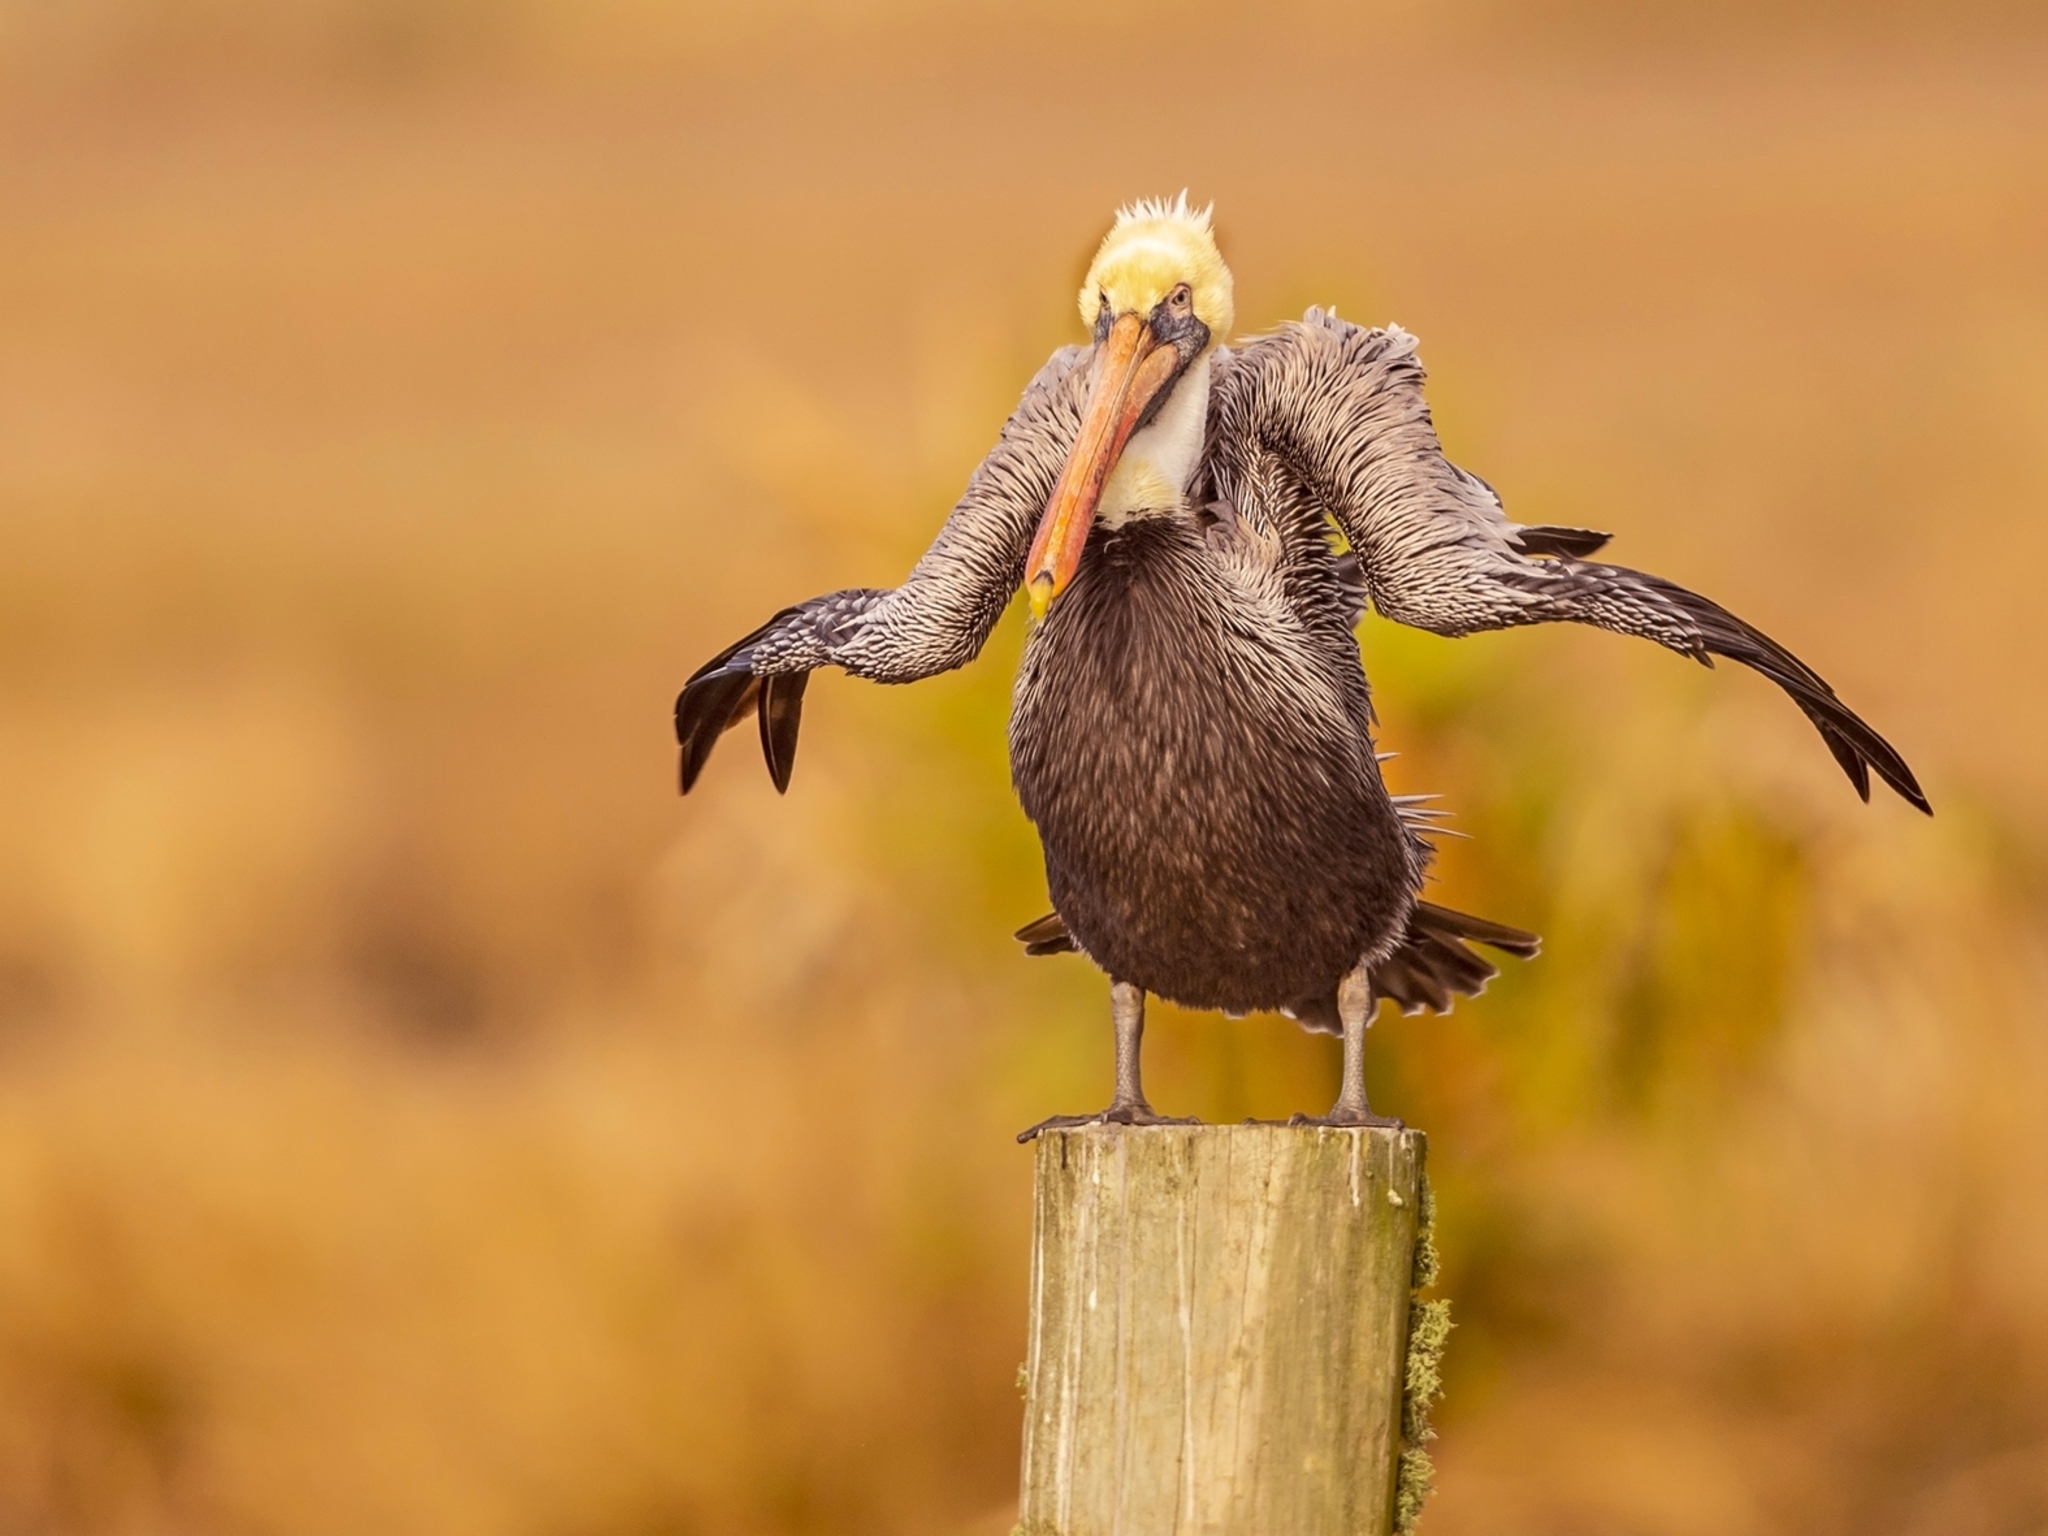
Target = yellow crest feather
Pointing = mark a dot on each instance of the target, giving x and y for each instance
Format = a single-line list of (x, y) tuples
[(1153, 246)]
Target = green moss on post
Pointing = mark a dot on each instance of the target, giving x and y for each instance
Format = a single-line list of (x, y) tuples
[(1429, 1329)]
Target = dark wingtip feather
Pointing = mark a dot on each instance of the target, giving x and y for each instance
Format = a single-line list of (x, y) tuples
[(703, 713), (1850, 740), (782, 712), (724, 691), (1566, 543), (1854, 745), (1844, 751), (723, 659)]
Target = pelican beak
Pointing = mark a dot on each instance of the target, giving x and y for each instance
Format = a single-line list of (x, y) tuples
[(1132, 366)]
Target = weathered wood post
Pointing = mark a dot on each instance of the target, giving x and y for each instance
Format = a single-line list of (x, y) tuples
[(1219, 1330)]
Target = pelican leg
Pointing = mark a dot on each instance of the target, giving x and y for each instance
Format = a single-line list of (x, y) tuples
[(1354, 1010), (1128, 1107)]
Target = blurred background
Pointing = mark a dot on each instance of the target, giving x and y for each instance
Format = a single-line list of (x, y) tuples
[(414, 1118)]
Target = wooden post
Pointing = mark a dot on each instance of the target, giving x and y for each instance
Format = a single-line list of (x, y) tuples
[(1219, 1319)]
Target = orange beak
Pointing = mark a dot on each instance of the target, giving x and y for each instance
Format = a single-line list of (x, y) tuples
[(1131, 367)]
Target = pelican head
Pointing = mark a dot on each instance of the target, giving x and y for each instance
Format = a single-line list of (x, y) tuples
[(1158, 299)]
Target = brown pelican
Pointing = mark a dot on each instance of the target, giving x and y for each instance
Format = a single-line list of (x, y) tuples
[(1191, 730)]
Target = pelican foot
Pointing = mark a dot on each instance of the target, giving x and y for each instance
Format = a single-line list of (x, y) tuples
[(1351, 1120), (1139, 1113)]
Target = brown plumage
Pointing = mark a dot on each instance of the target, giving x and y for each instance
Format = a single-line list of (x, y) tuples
[(1192, 730)]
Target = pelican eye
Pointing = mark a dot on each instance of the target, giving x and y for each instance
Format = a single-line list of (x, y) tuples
[(1179, 297)]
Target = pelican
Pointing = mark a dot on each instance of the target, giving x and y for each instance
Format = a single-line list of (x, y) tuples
[(1191, 730)]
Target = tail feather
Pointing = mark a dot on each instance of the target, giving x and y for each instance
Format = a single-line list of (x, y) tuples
[(1518, 942), (1047, 936), (1432, 966), (1434, 962)]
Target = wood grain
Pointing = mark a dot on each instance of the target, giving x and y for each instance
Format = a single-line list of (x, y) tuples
[(1218, 1321)]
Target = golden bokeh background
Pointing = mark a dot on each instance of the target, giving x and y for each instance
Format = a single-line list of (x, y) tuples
[(416, 1119)]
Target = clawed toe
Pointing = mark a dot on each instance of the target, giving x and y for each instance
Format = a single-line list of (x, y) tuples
[(1140, 1114), (1350, 1121), (1057, 1123), (1144, 1115)]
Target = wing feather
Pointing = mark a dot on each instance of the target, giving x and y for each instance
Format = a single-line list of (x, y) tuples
[(938, 619), (1343, 407)]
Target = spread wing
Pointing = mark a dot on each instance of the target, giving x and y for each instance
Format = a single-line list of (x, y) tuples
[(937, 620), (1343, 406)]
